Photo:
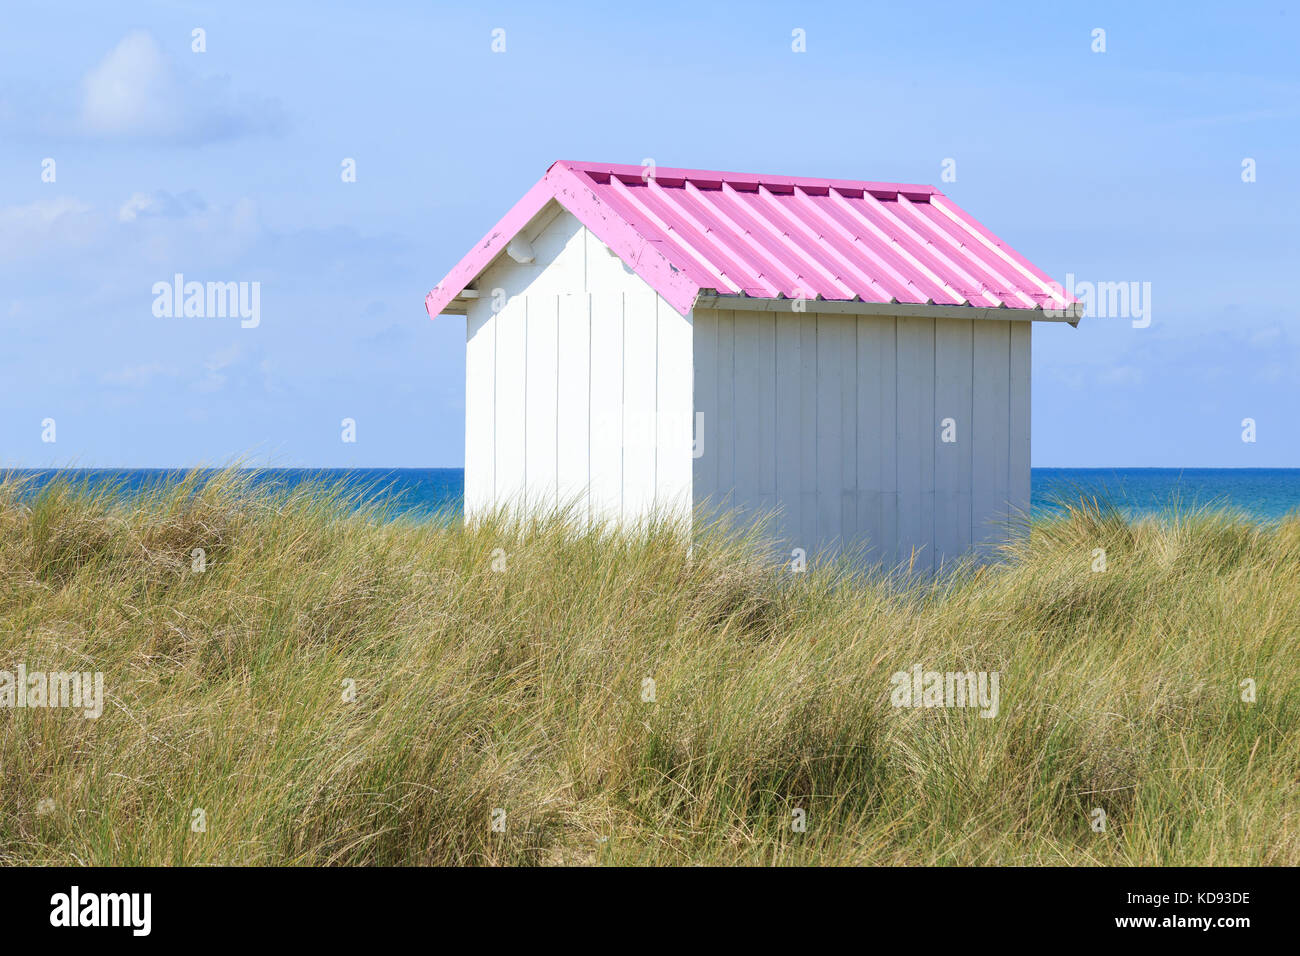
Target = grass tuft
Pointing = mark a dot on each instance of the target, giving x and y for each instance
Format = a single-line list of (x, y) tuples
[(651, 697)]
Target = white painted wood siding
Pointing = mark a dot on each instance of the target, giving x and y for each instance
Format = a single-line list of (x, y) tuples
[(578, 384), (583, 389), (837, 421)]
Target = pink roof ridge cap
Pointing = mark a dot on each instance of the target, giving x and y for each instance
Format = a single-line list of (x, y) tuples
[(662, 173)]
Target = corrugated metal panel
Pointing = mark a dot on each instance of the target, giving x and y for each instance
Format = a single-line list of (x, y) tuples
[(689, 231)]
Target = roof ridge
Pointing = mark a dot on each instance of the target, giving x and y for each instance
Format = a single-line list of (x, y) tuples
[(668, 174)]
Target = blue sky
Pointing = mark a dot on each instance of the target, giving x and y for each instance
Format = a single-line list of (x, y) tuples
[(225, 165)]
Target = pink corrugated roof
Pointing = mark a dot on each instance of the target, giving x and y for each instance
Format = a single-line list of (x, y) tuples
[(691, 231)]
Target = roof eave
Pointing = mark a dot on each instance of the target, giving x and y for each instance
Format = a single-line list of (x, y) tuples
[(1070, 314)]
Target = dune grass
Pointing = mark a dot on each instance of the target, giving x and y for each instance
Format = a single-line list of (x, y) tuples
[(517, 679)]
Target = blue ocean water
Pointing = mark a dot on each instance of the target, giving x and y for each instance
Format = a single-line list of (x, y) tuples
[(1264, 494)]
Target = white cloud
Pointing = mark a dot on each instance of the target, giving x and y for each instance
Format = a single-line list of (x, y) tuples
[(167, 205), (132, 91), (1266, 337), (137, 204), (218, 365), (63, 221), (158, 229), (137, 92), (137, 376), (1121, 376), (42, 214)]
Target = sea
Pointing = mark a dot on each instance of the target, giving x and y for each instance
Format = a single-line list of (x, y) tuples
[(1261, 494)]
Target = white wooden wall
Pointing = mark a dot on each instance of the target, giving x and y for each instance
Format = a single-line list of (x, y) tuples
[(835, 420), (578, 390)]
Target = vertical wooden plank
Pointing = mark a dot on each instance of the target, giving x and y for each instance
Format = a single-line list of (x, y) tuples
[(606, 405), (673, 462), (725, 433), (746, 331), (877, 433), (953, 355), (888, 430), (640, 380), (765, 366), (542, 383), (990, 431), (789, 469), (1019, 413), (917, 433), (511, 404), (850, 531), (480, 400), (910, 430), (704, 470), (830, 341), (573, 455), (807, 536), (868, 444)]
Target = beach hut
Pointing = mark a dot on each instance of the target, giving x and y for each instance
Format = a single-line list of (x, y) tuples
[(851, 356)]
